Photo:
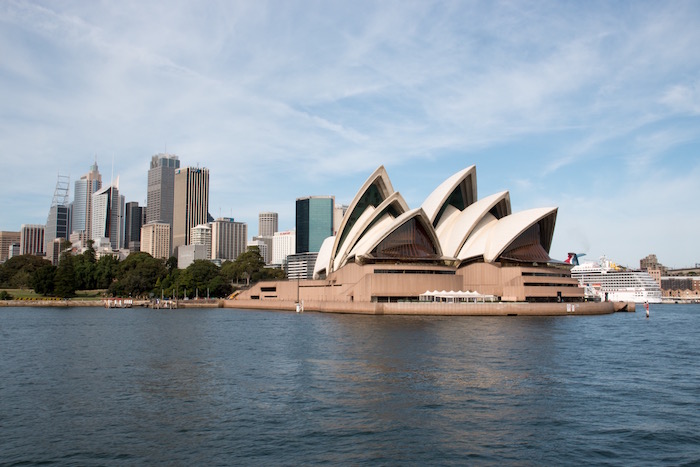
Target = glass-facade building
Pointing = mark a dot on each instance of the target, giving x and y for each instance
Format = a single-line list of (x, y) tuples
[(314, 221), (57, 227), (133, 222), (82, 203)]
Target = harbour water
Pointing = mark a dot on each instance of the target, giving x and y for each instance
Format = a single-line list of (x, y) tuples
[(230, 387)]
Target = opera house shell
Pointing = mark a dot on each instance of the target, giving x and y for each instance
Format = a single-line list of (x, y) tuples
[(385, 251)]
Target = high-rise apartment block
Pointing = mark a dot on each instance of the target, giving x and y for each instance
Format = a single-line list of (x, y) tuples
[(31, 239), (228, 238), (108, 215), (133, 221), (267, 224), (201, 235), (283, 245), (314, 216), (190, 202), (82, 200), (155, 239), (161, 188), (7, 239)]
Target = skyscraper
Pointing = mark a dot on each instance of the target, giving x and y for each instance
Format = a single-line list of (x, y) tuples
[(201, 235), (82, 201), (228, 238), (190, 202), (283, 245), (314, 215), (155, 239), (161, 188), (108, 215), (132, 226), (58, 220), (267, 224), (31, 239)]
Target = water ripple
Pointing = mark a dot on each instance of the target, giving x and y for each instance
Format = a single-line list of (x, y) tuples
[(223, 387)]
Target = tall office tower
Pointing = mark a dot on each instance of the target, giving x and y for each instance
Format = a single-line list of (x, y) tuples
[(161, 187), (267, 224), (82, 200), (201, 235), (58, 220), (133, 221), (31, 239), (7, 239), (338, 213), (108, 215), (190, 202), (228, 238), (283, 245), (155, 239), (314, 222)]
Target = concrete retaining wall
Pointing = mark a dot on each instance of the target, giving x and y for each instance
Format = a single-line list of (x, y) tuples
[(438, 309)]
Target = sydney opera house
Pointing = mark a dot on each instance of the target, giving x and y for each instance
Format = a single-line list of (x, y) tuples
[(386, 252)]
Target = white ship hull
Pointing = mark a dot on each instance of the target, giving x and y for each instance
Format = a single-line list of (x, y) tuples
[(605, 281)]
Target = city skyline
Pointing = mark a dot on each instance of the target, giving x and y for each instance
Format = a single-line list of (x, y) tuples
[(592, 108)]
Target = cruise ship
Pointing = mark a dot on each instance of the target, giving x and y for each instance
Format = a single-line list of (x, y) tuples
[(605, 280)]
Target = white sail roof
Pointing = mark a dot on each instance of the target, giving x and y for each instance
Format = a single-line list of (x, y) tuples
[(451, 222), (463, 183)]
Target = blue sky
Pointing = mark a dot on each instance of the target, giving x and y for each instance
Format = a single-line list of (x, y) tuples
[(593, 107)]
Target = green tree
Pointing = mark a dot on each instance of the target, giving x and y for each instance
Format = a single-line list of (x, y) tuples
[(247, 266), (138, 275), (43, 279), (84, 272), (5, 295), (250, 268), (169, 284), (204, 276), (85, 266), (65, 282), (105, 271), (184, 285), (171, 264), (16, 272)]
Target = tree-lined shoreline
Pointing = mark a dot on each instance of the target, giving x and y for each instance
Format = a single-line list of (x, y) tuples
[(139, 275)]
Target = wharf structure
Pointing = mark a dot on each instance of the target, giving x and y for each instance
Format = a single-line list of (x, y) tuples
[(385, 256)]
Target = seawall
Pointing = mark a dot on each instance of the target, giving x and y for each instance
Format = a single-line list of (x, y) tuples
[(438, 309), (51, 303)]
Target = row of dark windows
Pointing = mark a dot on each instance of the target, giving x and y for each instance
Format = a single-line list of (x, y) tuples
[(534, 284), (545, 274), (553, 299), (412, 271)]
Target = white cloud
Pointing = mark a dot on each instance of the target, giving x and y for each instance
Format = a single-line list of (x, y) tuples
[(285, 99)]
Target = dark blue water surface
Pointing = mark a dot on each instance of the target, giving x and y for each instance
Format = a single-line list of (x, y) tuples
[(230, 387)]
